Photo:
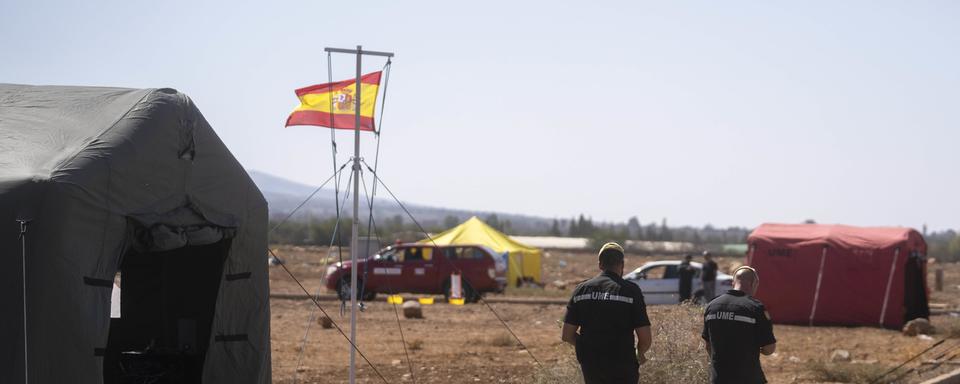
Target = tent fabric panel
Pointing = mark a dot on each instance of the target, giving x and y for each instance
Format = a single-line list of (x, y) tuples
[(45, 125), (854, 285), (79, 240), (532, 266), (788, 280), (243, 307)]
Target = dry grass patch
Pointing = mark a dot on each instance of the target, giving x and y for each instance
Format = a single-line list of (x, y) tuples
[(565, 371), (849, 373)]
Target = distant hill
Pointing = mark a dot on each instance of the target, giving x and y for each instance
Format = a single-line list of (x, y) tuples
[(284, 195)]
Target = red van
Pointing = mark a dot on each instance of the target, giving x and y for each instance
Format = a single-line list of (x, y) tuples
[(419, 268)]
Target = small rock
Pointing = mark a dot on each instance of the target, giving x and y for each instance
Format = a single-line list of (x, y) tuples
[(919, 326), (794, 359), (395, 362), (925, 337), (840, 356), (325, 322), (560, 284), (412, 310)]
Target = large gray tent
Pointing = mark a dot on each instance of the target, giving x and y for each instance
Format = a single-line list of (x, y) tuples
[(130, 185)]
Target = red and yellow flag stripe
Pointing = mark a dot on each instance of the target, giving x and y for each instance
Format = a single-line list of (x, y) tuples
[(332, 104)]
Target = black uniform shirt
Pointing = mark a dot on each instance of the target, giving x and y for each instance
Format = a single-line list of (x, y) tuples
[(686, 273), (607, 308), (709, 271), (736, 326)]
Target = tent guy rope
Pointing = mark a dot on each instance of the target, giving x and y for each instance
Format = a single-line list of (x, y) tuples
[(335, 325), (309, 323), (485, 303)]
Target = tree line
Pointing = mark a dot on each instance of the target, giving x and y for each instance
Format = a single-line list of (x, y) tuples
[(306, 230), (943, 245)]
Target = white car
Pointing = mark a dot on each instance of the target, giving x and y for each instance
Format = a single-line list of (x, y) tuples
[(660, 282)]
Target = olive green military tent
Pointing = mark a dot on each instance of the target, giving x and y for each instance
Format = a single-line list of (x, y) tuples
[(106, 184)]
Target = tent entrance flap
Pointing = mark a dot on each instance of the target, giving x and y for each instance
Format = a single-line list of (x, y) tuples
[(914, 292), (166, 314)]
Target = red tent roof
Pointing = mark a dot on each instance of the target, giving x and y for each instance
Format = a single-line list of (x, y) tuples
[(842, 236)]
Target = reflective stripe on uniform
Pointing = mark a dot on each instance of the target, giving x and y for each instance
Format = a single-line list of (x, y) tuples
[(602, 296), (730, 316)]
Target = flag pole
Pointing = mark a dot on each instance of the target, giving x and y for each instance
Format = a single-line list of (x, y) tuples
[(356, 224), (355, 237)]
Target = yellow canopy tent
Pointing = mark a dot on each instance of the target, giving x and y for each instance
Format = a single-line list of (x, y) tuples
[(523, 262)]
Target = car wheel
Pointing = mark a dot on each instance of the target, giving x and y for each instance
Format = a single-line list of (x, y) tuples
[(470, 295), (343, 290)]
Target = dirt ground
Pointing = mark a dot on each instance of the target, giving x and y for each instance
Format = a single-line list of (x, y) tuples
[(465, 344)]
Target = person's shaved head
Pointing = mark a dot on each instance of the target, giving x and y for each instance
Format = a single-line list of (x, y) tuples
[(746, 279), (611, 258)]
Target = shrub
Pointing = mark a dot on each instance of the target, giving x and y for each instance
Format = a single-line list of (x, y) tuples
[(677, 354), (415, 345), (951, 329), (502, 340)]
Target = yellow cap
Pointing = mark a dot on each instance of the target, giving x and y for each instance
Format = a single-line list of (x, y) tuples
[(611, 246)]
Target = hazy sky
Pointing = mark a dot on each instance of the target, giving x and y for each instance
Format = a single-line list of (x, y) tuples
[(730, 113)]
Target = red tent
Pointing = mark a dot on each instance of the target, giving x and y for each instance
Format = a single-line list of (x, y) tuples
[(841, 275)]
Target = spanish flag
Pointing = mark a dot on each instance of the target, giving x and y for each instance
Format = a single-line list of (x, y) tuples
[(332, 104)]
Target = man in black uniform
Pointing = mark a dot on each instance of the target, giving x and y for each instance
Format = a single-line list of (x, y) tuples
[(737, 330), (686, 271), (608, 311), (708, 277)]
